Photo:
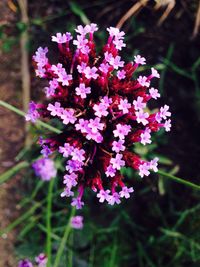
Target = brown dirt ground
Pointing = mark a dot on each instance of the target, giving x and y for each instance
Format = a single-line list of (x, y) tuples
[(11, 140)]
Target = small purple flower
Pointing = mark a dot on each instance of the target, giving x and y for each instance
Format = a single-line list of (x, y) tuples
[(114, 198), (117, 162), (41, 260), (117, 146), (44, 168), (154, 73), (32, 114), (153, 164), (167, 125), (95, 125), (61, 38), (103, 195), (125, 192), (77, 222), (124, 106), (110, 172), (146, 137), (77, 203), (82, 90), (164, 113), (143, 81), (138, 104), (121, 130), (144, 169), (121, 74), (154, 93), (68, 116), (139, 60), (100, 110), (25, 263), (56, 109), (141, 117), (90, 72)]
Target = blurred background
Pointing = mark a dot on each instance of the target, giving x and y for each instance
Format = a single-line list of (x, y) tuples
[(160, 224)]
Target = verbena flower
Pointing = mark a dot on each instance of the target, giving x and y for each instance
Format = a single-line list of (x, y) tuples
[(103, 110), (44, 168), (25, 263), (41, 260), (77, 222)]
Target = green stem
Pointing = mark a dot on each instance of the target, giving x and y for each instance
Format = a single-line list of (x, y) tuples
[(48, 221), (64, 240), (21, 113), (6, 175), (179, 180)]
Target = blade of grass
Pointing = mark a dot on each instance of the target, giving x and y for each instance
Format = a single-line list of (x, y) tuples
[(179, 180), (64, 240), (21, 113), (48, 221), (8, 174), (163, 73), (76, 9)]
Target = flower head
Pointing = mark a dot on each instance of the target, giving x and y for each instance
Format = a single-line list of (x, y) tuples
[(41, 260), (44, 168), (103, 110), (77, 222), (25, 263)]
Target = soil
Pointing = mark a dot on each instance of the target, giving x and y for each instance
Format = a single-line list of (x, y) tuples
[(12, 138)]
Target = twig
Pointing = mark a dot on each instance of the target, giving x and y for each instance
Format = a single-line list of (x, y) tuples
[(197, 23), (25, 74), (136, 7)]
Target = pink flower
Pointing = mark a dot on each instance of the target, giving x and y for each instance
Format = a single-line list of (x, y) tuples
[(32, 114), (154, 73), (154, 93), (110, 172), (45, 169), (144, 169), (80, 42), (81, 67), (25, 263), (117, 146), (104, 67), (70, 180), (101, 107), (82, 90), (62, 38), (164, 113), (90, 72), (167, 125), (139, 60), (138, 104), (115, 32), (146, 137), (95, 125), (78, 154), (117, 162), (121, 130), (82, 125), (121, 74), (125, 192), (143, 81), (114, 198), (141, 117), (76, 202), (77, 222), (115, 62), (56, 109), (67, 192), (66, 150), (41, 260), (124, 105), (68, 116), (119, 44), (103, 195), (100, 110), (153, 164)]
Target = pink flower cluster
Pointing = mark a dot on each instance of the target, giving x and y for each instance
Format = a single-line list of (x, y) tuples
[(41, 261), (103, 110)]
